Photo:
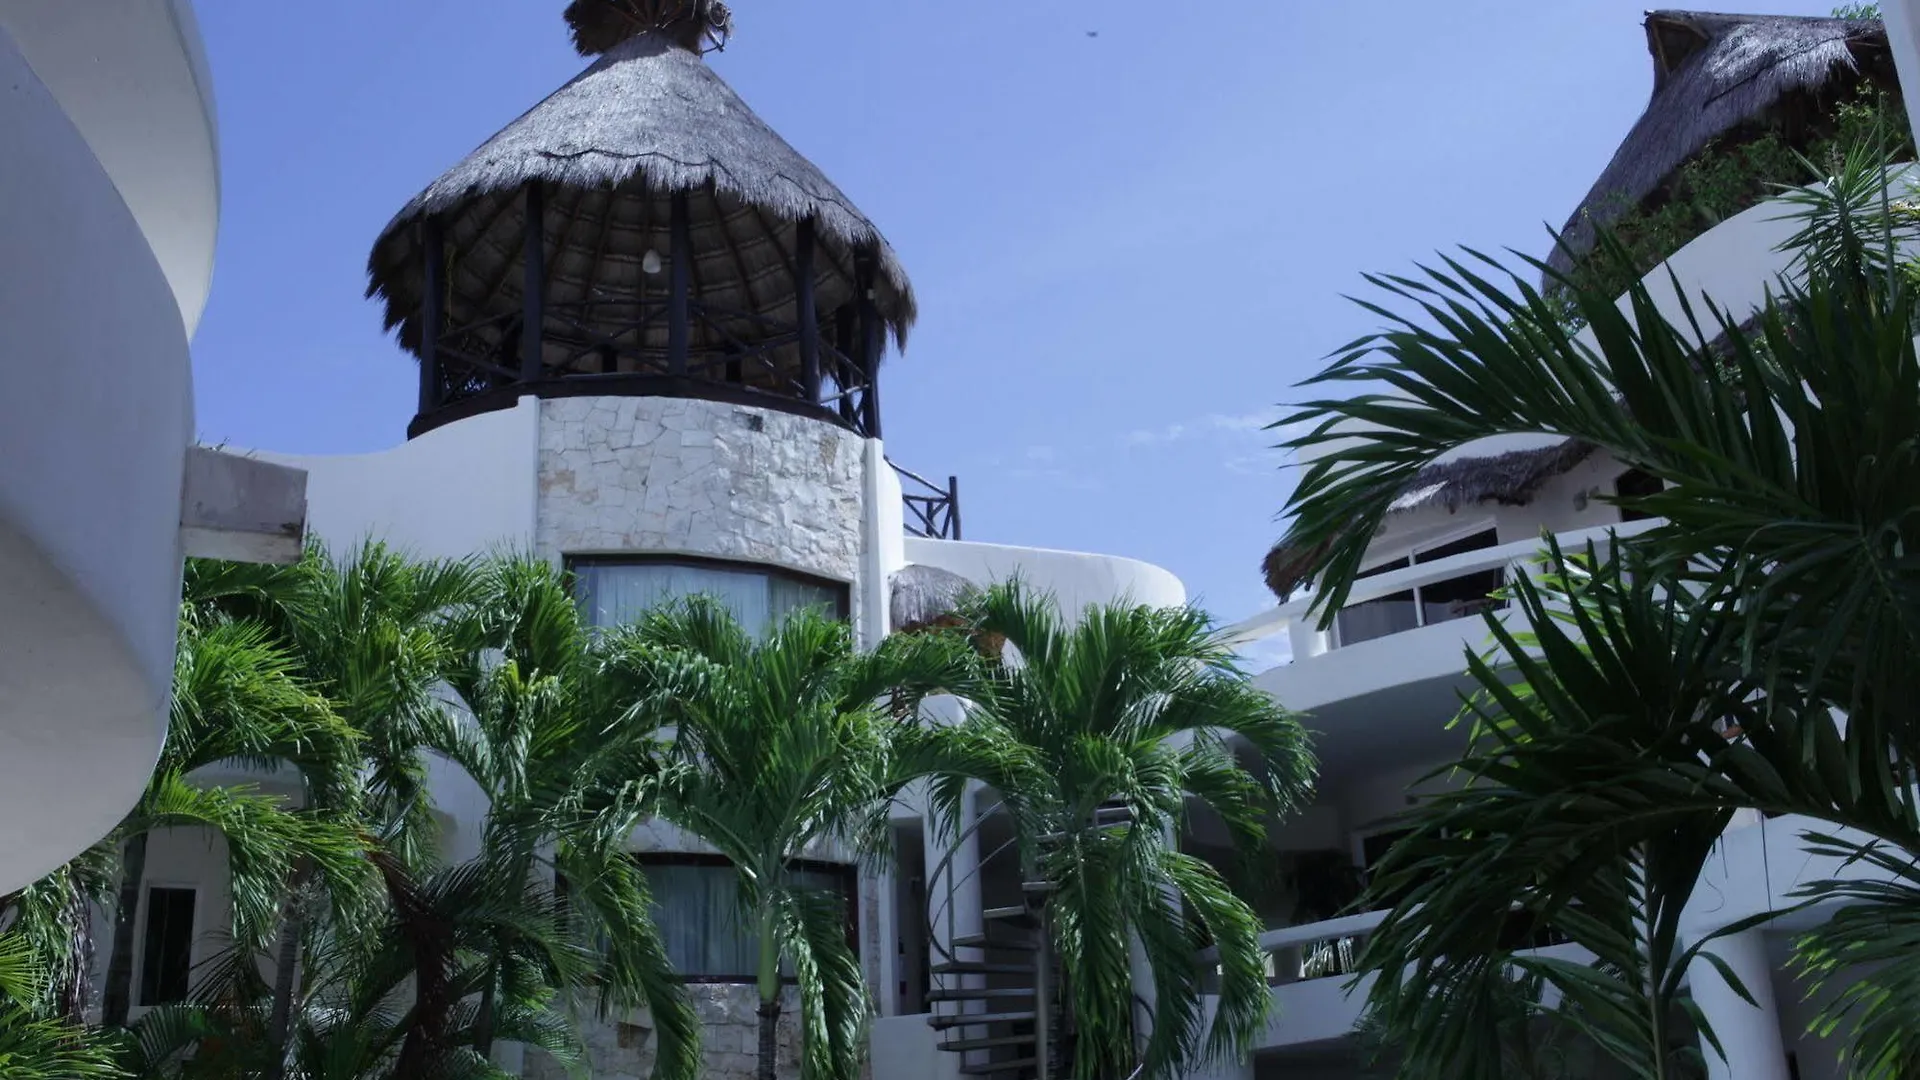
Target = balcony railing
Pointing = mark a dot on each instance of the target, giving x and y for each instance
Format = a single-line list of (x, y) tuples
[(933, 511), (1296, 620)]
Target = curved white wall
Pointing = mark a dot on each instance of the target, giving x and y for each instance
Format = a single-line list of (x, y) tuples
[(94, 427), (460, 490), (132, 77), (1076, 579)]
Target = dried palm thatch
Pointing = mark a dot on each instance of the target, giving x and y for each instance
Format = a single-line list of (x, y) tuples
[(599, 25), (649, 121), (1509, 479), (1711, 75), (925, 597)]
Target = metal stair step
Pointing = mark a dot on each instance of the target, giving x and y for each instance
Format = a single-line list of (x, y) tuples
[(989, 941), (980, 967), (956, 1020), (992, 1067), (975, 993), (1006, 914), (961, 1046)]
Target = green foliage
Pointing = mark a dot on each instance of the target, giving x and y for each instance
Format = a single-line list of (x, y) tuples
[(1857, 11), (1658, 688), (1139, 708), (780, 748), (32, 1045)]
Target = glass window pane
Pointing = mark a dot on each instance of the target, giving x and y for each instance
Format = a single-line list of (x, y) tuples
[(697, 909), (1377, 618), (617, 593), (167, 946)]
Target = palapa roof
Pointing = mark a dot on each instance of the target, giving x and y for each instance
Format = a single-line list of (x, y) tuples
[(923, 597), (1509, 479), (646, 120), (1712, 73)]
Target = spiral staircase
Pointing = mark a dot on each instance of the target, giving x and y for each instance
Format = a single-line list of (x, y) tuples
[(994, 993)]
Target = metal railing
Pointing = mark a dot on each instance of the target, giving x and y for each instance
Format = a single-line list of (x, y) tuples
[(933, 511), (1296, 619)]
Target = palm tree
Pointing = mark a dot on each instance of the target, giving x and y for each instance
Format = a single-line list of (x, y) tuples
[(237, 699), (1138, 708), (33, 1046), (567, 782), (782, 749), (1702, 678)]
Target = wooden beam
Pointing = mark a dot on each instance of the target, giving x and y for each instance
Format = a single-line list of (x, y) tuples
[(680, 286), (843, 341), (873, 343), (534, 288), (808, 321), (433, 295)]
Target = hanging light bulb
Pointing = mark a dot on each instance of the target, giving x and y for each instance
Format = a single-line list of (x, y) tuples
[(650, 262)]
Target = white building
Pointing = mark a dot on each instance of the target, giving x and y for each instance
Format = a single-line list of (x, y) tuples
[(109, 202), (671, 384), (1383, 682)]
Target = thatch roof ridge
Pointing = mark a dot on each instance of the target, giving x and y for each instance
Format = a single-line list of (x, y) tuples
[(653, 109), (1512, 478), (1712, 72)]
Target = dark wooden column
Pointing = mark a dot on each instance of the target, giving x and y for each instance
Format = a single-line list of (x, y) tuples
[(808, 319), (534, 285), (432, 296), (953, 507), (680, 284), (843, 335), (873, 343)]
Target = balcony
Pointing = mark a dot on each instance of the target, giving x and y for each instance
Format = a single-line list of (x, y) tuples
[(1398, 628)]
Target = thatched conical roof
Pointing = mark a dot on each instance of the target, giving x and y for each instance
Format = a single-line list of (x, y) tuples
[(1711, 74), (1509, 479), (923, 597), (647, 120)]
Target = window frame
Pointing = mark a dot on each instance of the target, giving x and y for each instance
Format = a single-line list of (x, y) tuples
[(143, 956), (842, 591), (1409, 555), (849, 874)]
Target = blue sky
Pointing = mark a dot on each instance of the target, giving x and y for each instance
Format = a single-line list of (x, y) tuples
[(1128, 247)]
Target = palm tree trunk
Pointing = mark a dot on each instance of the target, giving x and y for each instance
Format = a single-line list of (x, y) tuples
[(769, 1041), (769, 983), (483, 1023), (286, 963), (117, 999), (76, 983)]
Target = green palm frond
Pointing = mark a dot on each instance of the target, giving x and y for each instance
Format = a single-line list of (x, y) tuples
[(1142, 708)]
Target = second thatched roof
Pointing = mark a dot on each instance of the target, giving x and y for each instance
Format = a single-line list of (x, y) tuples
[(1509, 479), (1711, 74), (648, 119)]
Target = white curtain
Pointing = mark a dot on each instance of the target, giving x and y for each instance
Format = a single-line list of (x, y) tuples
[(697, 908), (615, 594)]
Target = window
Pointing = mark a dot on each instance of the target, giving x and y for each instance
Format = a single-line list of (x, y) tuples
[(1442, 601), (1634, 484), (617, 591), (167, 949), (696, 905)]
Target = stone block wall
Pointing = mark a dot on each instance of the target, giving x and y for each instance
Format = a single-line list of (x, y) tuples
[(685, 476), (729, 1039)]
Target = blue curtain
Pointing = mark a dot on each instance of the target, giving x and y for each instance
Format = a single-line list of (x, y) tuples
[(614, 594)]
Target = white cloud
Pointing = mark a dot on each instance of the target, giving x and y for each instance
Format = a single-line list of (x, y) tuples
[(1254, 422), (1041, 453), (1266, 654), (1150, 437)]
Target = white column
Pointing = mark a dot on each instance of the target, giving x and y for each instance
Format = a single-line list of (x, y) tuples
[(960, 916), (1903, 35), (1750, 1036)]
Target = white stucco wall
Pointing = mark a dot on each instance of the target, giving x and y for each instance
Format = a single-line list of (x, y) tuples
[(95, 426), (133, 79), (1076, 579), (460, 490)]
